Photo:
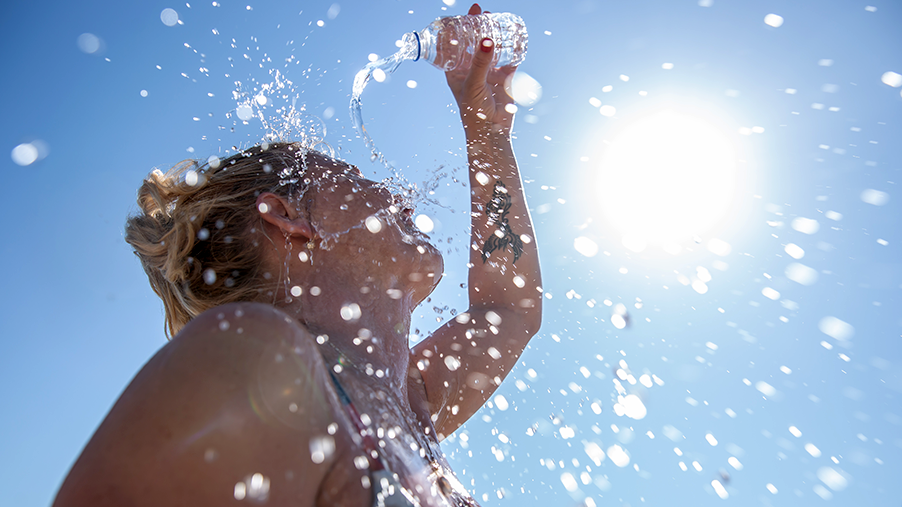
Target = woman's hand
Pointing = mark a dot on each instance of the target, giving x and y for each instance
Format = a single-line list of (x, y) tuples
[(480, 91)]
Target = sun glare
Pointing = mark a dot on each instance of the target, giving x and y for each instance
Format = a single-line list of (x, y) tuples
[(665, 179)]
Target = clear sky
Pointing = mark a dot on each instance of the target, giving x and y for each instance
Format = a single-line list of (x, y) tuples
[(765, 332)]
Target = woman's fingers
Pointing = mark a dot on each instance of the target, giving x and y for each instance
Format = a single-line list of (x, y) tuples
[(482, 62)]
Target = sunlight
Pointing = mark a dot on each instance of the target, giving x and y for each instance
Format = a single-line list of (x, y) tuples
[(665, 179)]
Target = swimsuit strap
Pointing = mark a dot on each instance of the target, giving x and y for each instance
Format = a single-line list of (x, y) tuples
[(387, 491), (372, 451)]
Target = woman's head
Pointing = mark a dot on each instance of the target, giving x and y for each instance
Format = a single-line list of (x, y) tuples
[(209, 234), (195, 230)]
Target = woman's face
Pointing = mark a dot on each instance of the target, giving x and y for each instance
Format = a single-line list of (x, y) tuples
[(360, 221)]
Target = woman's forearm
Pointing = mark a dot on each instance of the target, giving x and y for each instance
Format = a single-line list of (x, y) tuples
[(504, 264)]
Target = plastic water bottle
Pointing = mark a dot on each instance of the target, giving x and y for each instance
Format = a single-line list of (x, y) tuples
[(449, 43)]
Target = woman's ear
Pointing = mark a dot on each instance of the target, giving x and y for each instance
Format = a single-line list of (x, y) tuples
[(278, 212)]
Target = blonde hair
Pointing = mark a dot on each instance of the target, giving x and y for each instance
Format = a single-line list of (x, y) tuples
[(194, 231)]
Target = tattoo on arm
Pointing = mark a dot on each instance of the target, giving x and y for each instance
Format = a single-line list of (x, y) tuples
[(497, 209)]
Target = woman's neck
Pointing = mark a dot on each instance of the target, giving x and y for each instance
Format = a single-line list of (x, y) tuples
[(371, 345)]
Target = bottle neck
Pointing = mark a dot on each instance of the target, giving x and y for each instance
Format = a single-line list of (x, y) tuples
[(411, 47), (419, 47)]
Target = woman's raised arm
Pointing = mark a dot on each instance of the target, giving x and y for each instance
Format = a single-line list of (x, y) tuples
[(465, 360)]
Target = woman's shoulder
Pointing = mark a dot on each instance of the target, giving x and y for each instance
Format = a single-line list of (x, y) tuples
[(235, 319), (216, 404)]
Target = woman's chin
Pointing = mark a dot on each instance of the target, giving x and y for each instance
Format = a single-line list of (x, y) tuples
[(427, 268)]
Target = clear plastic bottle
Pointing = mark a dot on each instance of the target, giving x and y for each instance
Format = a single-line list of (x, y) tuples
[(450, 42), (447, 43)]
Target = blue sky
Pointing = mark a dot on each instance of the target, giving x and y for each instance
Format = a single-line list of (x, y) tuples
[(807, 106)]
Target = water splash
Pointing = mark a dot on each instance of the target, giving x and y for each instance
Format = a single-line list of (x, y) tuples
[(409, 51)]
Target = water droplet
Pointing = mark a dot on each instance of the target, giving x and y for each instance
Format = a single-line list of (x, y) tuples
[(805, 225), (24, 154), (774, 20), (321, 448), (569, 482), (836, 328), (524, 89), (585, 246), (169, 17), (88, 43), (801, 273), (452, 362), (632, 407), (424, 223), (875, 197), (244, 112), (618, 456), (719, 489), (813, 450), (333, 11), (834, 479), (765, 388), (350, 312), (373, 224), (794, 251), (893, 79)]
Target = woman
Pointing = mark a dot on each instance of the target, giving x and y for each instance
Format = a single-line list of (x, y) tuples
[(288, 282)]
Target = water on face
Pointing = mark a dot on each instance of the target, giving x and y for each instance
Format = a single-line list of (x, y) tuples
[(274, 103)]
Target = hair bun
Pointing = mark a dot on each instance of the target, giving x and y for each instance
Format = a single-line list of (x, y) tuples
[(193, 230)]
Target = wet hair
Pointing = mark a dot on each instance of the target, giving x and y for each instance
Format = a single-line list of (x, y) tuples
[(194, 233)]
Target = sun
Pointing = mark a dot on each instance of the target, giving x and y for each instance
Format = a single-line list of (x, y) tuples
[(667, 178)]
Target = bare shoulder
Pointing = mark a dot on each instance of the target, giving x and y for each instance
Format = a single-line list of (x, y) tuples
[(219, 321), (241, 390)]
